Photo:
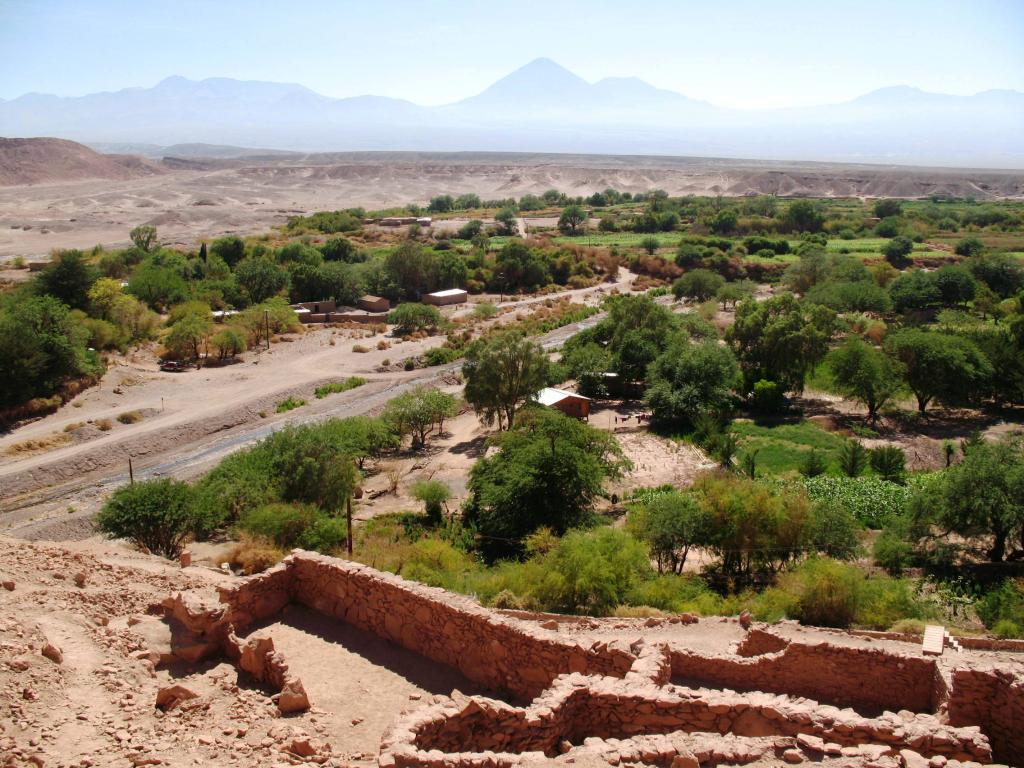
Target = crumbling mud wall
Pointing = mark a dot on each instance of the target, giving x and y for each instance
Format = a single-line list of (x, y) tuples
[(495, 652), (869, 678), (622, 696), (993, 699), (578, 709)]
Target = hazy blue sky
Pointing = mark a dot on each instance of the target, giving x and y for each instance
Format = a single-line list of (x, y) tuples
[(739, 53)]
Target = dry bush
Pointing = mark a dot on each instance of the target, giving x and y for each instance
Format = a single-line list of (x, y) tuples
[(73, 426), (394, 474), (254, 555), (104, 425), (382, 344), (129, 417), (637, 612), (39, 444), (908, 627), (360, 348)]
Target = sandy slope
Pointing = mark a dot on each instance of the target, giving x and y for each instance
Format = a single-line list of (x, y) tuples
[(208, 198)]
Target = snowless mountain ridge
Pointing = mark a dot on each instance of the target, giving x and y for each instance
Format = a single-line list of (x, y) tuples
[(541, 107)]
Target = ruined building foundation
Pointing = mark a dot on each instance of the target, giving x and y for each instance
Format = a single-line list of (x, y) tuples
[(645, 699)]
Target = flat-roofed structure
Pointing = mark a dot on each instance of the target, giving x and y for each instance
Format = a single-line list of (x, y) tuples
[(450, 296)]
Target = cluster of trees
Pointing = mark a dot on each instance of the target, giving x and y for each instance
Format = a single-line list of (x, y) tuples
[(754, 529), (290, 488)]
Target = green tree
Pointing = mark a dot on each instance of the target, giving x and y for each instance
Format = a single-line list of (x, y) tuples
[(734, 293), (548, 471), (69, 279), (505, 219), (690, 379), (956, 284), (413, 267), (649, 244), (969, 246), (188, 336), (983, 497), (573, 218), (143, 237), (419, 411), (157, 515), (588, 364), (231, 249), (813, 464), (914, 290), (887, 207), (502, 373), (853, 458), (227, 343), (802, 216), (865, 374), (672, 524), (40, 347), (409, 318), (341, 249), (433, 494), (940, 366), (261, 278), (724, 222), (363, 437), (590, 572), (780, 340), (897, 250), (699, 284), (1001, 272), (889, 462)]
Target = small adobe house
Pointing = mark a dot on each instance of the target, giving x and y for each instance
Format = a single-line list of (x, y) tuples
[(443, 298), (568, 403)]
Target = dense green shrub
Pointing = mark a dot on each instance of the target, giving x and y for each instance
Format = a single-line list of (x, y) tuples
[(338, 386), (409, 318), (157, 514)]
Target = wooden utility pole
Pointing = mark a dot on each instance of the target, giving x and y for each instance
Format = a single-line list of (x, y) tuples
[(348, 507), (266, 326), (131, 472)]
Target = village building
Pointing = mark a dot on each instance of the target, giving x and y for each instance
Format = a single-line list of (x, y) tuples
[(569, 403), (443, 298)]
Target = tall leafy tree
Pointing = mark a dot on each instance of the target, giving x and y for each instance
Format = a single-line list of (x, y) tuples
[(502, 373), (940, 366), (548, 471), (40, 347), (690, 379), (983, 497), (69, 278), (865, 374), (780, 340)]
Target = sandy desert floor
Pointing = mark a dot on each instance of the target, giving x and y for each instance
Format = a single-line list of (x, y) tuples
[(205, 199)]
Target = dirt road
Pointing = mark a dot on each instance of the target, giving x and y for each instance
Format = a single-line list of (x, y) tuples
[(54, 496)]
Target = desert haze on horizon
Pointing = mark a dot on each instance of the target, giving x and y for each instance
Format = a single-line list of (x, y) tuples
[(821, 96)]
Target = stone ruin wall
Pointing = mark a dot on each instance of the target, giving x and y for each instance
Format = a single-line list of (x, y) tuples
[(612, 689), (868, 678), (995, 699)]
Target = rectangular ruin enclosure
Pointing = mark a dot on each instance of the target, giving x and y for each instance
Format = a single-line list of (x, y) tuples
[(519, 660)]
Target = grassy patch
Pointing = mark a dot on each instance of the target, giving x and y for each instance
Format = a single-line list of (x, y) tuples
[(129, 417), (290, 403), (338, 386), (781, 448)]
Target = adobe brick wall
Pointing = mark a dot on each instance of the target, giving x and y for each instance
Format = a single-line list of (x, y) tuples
[(579, 708), (495, 652), (861, 677), (993, 699), (600, 690)]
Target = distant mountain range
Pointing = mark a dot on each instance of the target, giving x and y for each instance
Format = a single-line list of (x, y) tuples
[(541, 107)]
